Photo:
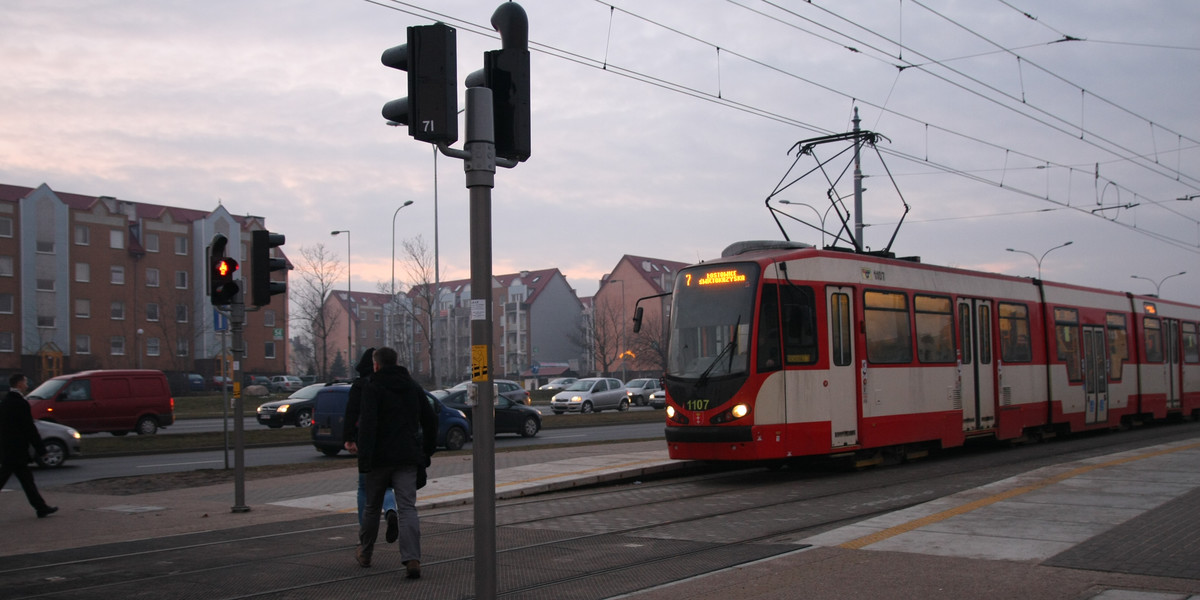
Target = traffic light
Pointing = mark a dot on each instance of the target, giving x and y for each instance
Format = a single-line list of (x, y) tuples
[(506, 73), (222, 289), (262, 265), (431, 108)]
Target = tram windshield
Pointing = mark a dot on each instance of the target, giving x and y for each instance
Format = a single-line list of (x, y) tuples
[(710, 321)]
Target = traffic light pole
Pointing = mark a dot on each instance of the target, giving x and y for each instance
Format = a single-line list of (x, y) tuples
[(237, 321)]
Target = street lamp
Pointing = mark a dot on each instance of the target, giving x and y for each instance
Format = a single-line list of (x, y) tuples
[(140, 331), (1039, 260), (818, 213), (1158, 285), (391, 321), (349, 306), (624, 373)]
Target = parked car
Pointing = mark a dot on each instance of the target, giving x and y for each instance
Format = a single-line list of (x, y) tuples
[(195, 382), (658, 399), (121, 401), (293, 410), (217, 382), (285, 384), (511, 415), (591, 394), (262, 380), (505, 386), (329, 420), (639, 391), (61, 442), (558, 383)]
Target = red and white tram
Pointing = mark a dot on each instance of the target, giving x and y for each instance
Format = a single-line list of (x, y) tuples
[(780, 350)]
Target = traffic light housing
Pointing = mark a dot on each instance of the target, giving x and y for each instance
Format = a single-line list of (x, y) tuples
[(431, 108), (506, 73), (262, 265), (222, 289)]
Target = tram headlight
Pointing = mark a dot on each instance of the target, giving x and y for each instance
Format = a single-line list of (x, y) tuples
[(670, 412), (734, 413)]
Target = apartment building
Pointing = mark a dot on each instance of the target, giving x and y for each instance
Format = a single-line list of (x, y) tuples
[(96, 282)]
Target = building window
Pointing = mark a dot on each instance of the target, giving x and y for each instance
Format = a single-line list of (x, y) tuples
[(83, 308), (83, 272), (6, 304), (83, 344), (181, 245), (269, 350), (152, 345), (151, 242), (116, 346), (181, 347), (116, 239), (181, 313), (83, 235), (151, 277), (117, 275), (268, 318), (45, 247), (6, 266), (45, 285), (6, 227), (152, 311), (181, 280), (45, 322), (6, 341), (118, 311)]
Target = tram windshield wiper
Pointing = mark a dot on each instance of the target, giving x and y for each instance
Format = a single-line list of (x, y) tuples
[(730, 348)]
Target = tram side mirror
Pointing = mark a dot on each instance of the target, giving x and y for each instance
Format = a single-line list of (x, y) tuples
[(637, 319)]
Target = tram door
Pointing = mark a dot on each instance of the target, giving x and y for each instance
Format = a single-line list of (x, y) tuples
[(843, 374), (1172, 356), (975, 393), (1095, 373)]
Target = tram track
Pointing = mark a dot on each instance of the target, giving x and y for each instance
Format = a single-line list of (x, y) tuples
[(725, 502)]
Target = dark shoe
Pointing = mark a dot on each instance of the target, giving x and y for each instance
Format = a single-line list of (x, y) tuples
[(47, 511), (393, 527), (364, 561), (413, 567)]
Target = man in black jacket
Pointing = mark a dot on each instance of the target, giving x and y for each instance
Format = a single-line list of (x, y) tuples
[(17, 434), (397, 435)]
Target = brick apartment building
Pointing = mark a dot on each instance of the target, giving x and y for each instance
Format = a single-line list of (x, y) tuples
[(95, 282)]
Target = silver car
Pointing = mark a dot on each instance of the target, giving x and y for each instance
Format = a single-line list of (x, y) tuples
[(592, 394), (61, 443), (639, 391)]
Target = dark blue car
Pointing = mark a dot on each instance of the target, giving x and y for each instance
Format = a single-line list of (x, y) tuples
[(329, 415)]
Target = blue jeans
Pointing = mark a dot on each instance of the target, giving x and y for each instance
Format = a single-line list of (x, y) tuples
[(389, 499)]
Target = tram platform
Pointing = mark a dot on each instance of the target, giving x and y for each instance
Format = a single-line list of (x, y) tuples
[(1118, 527)]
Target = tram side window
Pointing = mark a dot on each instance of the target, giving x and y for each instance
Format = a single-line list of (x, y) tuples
[(1118, 346), (1152, 338), (839, 321), (768, 330), (799, 310), (1066, 339), (935, 329), (885, 319), (1015, 345), (1191, 352)]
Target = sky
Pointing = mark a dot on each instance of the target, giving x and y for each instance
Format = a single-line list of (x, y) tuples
[(660, 127)]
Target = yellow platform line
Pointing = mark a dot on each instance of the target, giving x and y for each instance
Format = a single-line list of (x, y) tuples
[(890, 532)]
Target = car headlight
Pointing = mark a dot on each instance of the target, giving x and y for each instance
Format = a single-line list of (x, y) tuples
[(74, 434), (282, 408), (576, 399)]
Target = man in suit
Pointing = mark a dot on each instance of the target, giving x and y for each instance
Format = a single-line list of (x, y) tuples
[(17, 434)]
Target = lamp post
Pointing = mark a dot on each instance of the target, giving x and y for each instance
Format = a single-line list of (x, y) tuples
[(140, 331), (1039, 260), (349, 306), (1158, 284), (391, 321), (624, 373), (818, 213)]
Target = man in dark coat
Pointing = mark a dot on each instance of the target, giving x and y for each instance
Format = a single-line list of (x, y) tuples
[(364, 368), (17, 434), (397, 435)]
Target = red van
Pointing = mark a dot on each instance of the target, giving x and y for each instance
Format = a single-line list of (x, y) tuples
[(113, 401)]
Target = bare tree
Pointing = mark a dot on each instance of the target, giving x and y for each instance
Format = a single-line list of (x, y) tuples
[(650, 344), (419, 264), (318, 269), (606, 334)]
